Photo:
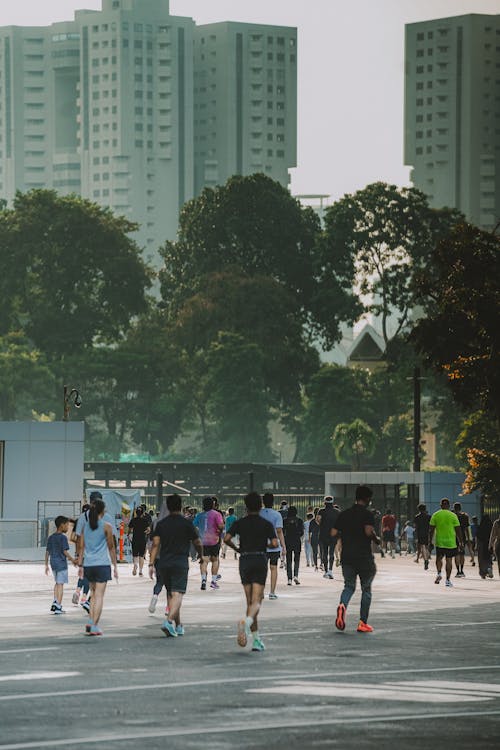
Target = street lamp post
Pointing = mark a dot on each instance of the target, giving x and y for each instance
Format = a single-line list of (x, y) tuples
[(71, 396)]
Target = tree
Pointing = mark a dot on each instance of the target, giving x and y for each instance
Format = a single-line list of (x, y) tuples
[(26, 381), (385, 233), (396, 441), (71, 273), (352, 441)]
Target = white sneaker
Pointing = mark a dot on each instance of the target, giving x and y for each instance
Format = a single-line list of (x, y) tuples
[(152, 603)]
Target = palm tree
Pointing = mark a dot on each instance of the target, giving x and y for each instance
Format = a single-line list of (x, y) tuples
[(352, 441)]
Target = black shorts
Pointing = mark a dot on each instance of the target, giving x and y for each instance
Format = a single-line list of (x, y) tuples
[(274, 558), (423, 540), (212, 550), (138, 547), (175, 578), (446, 551), (253, 568), (97, 573), (388, 536)]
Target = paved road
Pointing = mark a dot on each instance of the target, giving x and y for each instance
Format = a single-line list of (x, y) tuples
[(429, 677)]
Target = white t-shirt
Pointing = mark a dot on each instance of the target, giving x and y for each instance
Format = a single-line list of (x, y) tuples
[(274, 517)]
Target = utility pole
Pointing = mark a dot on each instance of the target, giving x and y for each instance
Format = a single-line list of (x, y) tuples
[(416, 419), (159, 490)]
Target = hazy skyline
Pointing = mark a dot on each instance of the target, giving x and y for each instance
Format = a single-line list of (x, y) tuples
[(350, 80)]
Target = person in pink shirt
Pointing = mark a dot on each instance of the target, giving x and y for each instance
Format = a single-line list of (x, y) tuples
[(209, 524)]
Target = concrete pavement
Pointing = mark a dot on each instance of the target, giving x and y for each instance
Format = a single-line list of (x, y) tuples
[(428, 677)]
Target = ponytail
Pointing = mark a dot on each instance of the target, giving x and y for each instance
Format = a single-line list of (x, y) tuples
[(95, 511)]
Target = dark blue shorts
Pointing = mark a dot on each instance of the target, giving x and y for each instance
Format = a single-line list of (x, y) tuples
[(175, 578), (97, 573)]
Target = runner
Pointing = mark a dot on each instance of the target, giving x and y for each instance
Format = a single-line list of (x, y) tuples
[(256, 536), (356, 526), (172, 538), (96, 552), (422, 520), (326, 518), (274, 552), (138, 529), (388, 532), (209, 524), (446, 526)]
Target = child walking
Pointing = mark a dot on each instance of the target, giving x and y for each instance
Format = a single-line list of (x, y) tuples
[(58, 553)]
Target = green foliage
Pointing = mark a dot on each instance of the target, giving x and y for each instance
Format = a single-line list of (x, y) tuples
[(353, 441), (396, 441), (26, 382)]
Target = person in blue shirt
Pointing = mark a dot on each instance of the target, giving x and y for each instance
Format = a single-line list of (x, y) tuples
[(228, 522), (58, 554)]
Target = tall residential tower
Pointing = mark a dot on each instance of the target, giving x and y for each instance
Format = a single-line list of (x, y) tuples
[(452, 113)]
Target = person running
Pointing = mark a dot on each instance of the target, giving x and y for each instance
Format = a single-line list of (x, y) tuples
[(256, 536), (58, 554), (172, 539), (446, 526), (465, 529), (209, 524), (494, 543), (356, 527), (421, 522), (96, 554), (228, 522), (274, 552), (138, 529), (326, 518), (314, 538), (388, 532), (307, 543), (293, 529)]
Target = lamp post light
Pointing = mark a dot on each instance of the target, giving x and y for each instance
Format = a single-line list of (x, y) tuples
[(71, 396), (278, 445)]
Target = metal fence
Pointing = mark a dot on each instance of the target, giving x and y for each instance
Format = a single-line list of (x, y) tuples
[(48, 510), (236, 501)]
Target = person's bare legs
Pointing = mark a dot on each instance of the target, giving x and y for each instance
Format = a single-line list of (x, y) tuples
[(204, 567), (141, 565), (58, 592), (136, 565), (449, 567), (96, 601), (174, 600), (274, 577), (215, 565), (439, 565), (254, 593)]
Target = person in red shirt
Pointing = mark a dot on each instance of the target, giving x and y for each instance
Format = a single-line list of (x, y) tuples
[(388, 532)]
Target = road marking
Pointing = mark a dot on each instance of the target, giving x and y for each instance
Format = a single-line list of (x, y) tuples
[(37, 676), (245, 726), (414, 692), (282, 632), (27, 650), (236, 680)]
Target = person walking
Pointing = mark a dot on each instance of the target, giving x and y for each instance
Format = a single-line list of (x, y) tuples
[(389, 532), (256, 536), (326, 518), (293, 529), (409, 535), (483, 535), (314, 538), (172, 538), (96, 555), (274, 552), (58, 554), (421, 522), (307, 543), (228, 522), (465, 541), (446, 526), (356, 527), (138, 529)]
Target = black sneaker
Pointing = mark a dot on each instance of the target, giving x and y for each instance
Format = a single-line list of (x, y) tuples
[(426, 564), (203, 586)]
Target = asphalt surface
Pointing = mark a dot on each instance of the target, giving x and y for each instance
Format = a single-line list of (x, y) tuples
[(428, 677)]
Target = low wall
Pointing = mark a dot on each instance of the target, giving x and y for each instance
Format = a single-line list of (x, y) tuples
[(18, 534)]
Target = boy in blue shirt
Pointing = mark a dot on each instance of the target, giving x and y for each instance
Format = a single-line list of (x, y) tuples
[(58, 554)]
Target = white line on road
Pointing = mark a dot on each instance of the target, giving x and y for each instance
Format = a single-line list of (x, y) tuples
[(27, 650), (244, 726), (235, 680), (37, 676), (282, 632)]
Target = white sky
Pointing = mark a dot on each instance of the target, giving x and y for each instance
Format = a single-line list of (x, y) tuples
[(351, 75)]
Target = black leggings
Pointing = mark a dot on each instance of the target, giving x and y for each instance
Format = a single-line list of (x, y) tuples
[(295, 551), (328, 554), (315, 547)]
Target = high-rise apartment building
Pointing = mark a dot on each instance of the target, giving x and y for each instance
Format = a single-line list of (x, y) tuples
[(245, 93), (106, 106), (452, 113)]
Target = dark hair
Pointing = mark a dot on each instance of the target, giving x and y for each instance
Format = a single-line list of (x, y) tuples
[(268, 499), (388, 511), (363, 493), (421, 507), (445, 501), (95, 495), (253, 502), (309, 516), (85, 507), (292, 511), (139, 511), (60, 520), (208, 503), (230, 511), (457, 506), (174, 503), (94, 513)]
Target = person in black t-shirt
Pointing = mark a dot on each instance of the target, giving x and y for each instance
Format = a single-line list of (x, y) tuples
[(172, 539), (356, 527), (326, 518), (422, 528), (256, 535), (138, 527), (293, 529)]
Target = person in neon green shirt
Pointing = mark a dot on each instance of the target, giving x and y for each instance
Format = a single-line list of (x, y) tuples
[(446, 526)]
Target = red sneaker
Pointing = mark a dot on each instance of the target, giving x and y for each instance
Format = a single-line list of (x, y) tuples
[(340, 619), (363, 627)]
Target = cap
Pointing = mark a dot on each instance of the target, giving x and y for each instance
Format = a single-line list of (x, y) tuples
[(328, 499), (95, 495)]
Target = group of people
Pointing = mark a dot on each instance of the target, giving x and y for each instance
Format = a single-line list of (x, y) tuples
[(261, 539)]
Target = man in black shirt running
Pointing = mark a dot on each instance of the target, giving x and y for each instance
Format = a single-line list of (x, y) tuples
[(356, 527), (256, 535)]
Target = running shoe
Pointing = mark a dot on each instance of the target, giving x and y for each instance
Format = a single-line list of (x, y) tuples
[(272, 595), (242, 634), (363, 627), (75, 599), (203, 586), (134, 570), (337, 563), (95, 630), (86, 606), (330, 575), (53, 606), (214, 585), (438, 578), (169, 628), (257, 645), (340, 619), (88, 626), (59, 610), (219, 576), (141, 575), (152, 603), (426, 564), (289, 581), (325, 575), (473, 563), (180, 629), (297, 582), (449, 583)]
